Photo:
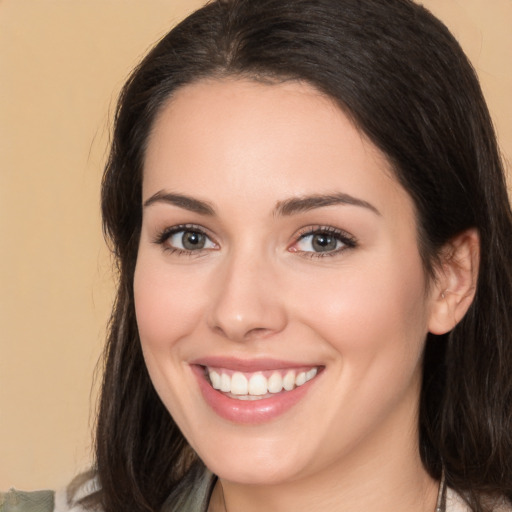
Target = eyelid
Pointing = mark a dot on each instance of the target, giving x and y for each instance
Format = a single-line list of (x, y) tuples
[(163, 235), (348, 240)]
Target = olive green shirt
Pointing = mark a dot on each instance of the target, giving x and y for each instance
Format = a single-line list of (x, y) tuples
[(19, 501)]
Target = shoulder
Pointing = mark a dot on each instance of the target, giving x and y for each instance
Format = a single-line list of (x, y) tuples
[(455, 503), (20, 501)]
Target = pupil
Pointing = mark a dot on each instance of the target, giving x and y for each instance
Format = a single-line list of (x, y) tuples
[(192, 240), (323, 242)]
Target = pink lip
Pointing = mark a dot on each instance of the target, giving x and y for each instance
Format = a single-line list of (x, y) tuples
[(248, 412), (251, 365)]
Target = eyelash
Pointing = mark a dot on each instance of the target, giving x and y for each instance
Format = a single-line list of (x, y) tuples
[(163, 236), (348, 241)]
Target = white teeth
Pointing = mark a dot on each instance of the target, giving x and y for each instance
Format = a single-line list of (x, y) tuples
[(215, 380), (257, 385), (289, 381), (300, 379), (239, 384), (225, 383), (275, 383), (246, 397), (312, 373)]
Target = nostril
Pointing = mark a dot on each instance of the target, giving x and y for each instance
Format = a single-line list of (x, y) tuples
[(254, 333), (218, 330), (258, 332)]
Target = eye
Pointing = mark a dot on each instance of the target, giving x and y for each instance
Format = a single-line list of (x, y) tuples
[(323, 241), (189, 240), (185, 239)]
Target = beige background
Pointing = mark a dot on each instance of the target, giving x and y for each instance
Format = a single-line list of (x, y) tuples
[(62, 63)]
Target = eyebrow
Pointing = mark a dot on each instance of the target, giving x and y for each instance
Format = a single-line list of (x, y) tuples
[(296, 205), (287, 207), (182, 201)]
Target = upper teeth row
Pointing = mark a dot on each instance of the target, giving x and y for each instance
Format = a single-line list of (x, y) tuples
[(258, 384)]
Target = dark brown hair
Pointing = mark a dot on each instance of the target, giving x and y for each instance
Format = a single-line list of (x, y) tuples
[(405, 82)]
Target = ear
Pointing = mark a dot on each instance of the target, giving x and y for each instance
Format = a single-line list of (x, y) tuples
[(454, 288)]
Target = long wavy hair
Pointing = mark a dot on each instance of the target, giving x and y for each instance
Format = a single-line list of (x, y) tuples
[(402, 78)]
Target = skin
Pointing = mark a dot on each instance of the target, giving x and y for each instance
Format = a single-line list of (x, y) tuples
[(257, 289)]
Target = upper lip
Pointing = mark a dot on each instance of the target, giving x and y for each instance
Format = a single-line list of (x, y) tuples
[(249, 365)]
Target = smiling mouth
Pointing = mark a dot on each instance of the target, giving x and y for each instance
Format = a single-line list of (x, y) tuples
[(258, 385)]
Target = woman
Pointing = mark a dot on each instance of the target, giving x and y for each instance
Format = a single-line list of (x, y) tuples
[(311, 191), (310, 217)]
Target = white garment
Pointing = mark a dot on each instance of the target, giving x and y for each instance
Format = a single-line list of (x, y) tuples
[(65, 503), (454, 503)]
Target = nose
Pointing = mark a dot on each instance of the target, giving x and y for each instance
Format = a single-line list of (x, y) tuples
[(247, 303)]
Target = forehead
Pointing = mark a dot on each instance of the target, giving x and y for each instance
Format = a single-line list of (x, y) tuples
[(258, 139)]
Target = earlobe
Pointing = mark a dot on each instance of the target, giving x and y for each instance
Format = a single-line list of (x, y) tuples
[(456, 279)]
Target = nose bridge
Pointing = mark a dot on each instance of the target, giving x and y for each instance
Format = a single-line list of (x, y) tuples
[(246, 302)]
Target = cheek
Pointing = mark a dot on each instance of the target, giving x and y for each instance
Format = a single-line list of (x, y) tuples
[(167, 304), (374, 320), (369, 309)]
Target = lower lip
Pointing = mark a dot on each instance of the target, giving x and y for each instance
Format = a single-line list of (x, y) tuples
[(248, 411)]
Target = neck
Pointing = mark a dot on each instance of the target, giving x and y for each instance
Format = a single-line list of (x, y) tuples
[(385, 475), (416, 492)]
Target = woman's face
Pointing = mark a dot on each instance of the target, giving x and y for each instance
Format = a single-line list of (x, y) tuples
[(278, 261)]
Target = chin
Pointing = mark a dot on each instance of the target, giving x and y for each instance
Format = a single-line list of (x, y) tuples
[(250, 473), (245, 463)]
